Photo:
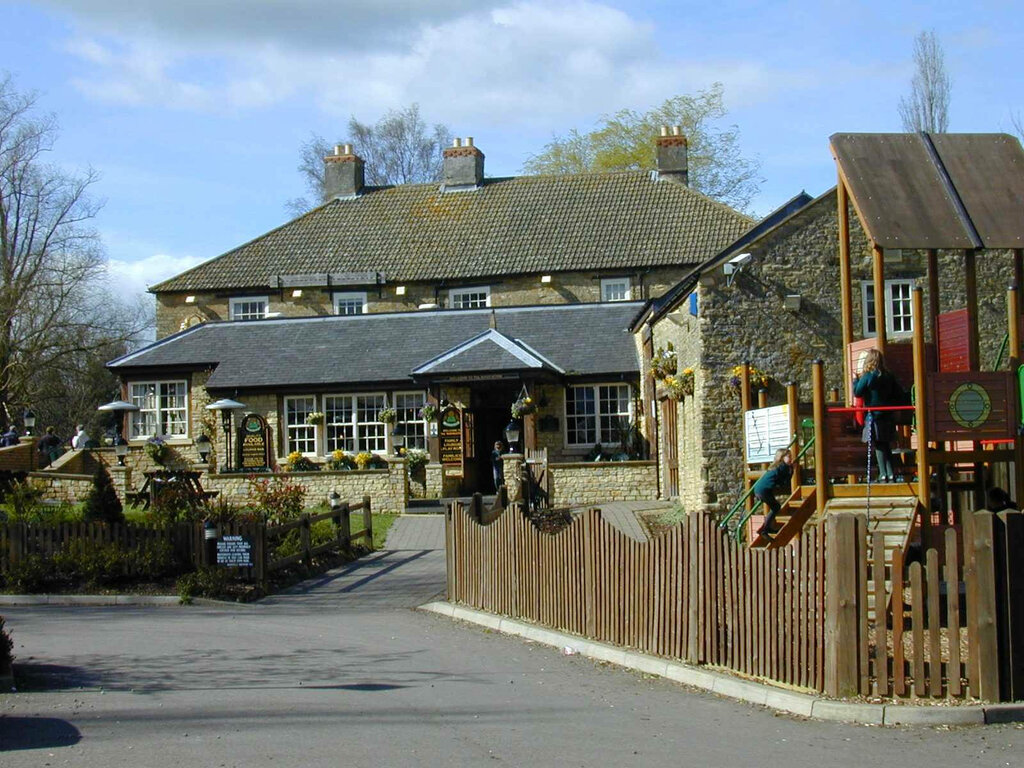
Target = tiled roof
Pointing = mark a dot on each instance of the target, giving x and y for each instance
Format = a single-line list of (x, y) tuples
[(521, 225), (581, 339)]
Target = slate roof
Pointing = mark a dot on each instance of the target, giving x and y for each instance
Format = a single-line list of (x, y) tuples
[(521, 225), (487, 352), (349, 350)]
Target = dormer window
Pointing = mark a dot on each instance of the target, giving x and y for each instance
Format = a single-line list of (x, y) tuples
[(248, 307), (350, 303), (470, 298), (615, 289)]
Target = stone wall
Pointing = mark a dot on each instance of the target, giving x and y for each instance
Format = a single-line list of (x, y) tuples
[(582, 483), (19, 458), (63, 487), (506, 291)]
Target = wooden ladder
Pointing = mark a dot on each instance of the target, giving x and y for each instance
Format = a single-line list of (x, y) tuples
[(796, 511)]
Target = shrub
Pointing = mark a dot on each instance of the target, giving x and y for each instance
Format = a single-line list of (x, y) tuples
[(25, 499), (173, 502), (207, 581), (277, 499), (82, 561), (296, 462), (102, 503), (158, 450), (417, 461), (6, 648), (30, 574)]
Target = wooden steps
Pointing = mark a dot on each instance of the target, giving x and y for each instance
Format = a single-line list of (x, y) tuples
[(795, 513)]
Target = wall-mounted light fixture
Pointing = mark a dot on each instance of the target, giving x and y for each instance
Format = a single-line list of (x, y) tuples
[(297, 293), (734, 265), (400, 290), (792, 302), (545, 279), (190, 299)]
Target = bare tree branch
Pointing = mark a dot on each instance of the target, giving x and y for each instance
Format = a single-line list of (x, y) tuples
[(927, 108)]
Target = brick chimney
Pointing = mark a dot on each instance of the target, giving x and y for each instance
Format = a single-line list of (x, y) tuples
[(671, 151), (343, 173), (463, 165)]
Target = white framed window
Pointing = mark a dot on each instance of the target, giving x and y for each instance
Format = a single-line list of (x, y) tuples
[(470, 298), (899, 320), (302, 437), (615, 289), (352, 425), (248, 307), (407, 406), (163, 409), (596, 413), (350, 303)]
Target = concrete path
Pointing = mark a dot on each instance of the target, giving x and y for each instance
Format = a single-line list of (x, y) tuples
[(343, 673), (624, 515)]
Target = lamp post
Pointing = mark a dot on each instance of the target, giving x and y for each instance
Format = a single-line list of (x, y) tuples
[(30, 420), (512, 433), (398, 439), (204, 448), (226, 406), (119, 407)]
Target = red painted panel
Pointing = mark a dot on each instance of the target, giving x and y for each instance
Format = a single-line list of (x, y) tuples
[(899, 358), (990, 410), (954, 333)]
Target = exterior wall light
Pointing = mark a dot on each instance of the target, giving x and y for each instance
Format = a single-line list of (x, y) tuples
[(297, 293), (190, 299), (400, 290), (545, 279)]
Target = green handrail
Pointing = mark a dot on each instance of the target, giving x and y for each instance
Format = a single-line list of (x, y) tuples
[(1002, 351), (743, 520), (743, 499)]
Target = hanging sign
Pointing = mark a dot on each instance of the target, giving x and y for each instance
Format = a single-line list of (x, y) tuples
[(253, 445), (765, 431), (450, 437)]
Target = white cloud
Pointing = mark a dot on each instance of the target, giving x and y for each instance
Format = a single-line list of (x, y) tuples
[(130, 279)]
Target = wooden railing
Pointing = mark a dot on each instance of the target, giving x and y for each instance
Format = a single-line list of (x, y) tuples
[(690, 594), (342, 517), (693, 594)]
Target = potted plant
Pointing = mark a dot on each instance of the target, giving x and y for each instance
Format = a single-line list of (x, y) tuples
[(387, 415), (316, 418), (296, 462), (340, 461), (523, 407)]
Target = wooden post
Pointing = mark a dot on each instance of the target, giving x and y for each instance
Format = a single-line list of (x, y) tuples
[(304, 540), (762, 398), (971, 291), (820, 436), (921, 407), (845, 282), (368, 522), (933, 293), (842, 624), (744, 407), (261, 555), (1010, 574), (476, 507), (986, 650), (833, 395), (881, 310), (793, 404), (345, 526)]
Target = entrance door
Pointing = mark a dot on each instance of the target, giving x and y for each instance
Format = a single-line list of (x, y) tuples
[(491, 405), (670, 446)]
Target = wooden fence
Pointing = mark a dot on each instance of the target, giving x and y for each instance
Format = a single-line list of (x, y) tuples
[(690, 594), (188, 541), (802, 615)]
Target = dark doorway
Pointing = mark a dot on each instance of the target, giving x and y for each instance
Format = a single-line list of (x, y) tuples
[(490, 403)]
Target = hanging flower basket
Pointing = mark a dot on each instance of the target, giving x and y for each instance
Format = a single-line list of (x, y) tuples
[(387, 416), (664, 362), (523, 407), (315, 419), (428, 412), (758, 378), (158, 450), (678, 386)]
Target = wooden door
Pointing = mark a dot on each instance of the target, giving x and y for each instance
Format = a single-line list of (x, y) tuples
[(670, 446)]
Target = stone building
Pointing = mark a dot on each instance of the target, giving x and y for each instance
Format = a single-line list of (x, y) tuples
[(475, 292), (772, 299)]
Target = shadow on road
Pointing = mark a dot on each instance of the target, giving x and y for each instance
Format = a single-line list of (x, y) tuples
[(36, 733), (53, 677)]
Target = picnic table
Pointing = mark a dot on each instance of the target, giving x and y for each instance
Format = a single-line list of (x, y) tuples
[(183, 484)]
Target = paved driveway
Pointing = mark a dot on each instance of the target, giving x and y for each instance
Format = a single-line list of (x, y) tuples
[(344, 673)]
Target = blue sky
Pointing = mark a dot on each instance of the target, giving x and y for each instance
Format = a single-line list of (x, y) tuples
[(193, 111)]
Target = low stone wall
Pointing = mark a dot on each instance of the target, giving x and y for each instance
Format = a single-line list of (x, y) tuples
[(67, 488), (594, 482)]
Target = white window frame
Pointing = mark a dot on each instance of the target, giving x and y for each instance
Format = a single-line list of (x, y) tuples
[(300, 429), (364, 432), (154, 411), (408, 417), (235, 301), (457, 296), (603, 431), (608, 284), (905, 317), (350, 296)]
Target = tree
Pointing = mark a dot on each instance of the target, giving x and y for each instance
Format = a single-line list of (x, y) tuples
[(56, 310), (102, 504), (399, 149), (927, 109), (625, 141)]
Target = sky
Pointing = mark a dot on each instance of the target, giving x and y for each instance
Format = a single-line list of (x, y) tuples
[(193, 111)]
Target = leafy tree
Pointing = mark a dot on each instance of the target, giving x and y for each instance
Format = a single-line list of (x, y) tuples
[(56, 310), (399, 149), (102, 504), (625, 141), (927, 108)]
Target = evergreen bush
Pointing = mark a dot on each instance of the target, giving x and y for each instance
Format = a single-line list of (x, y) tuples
[(102, 504)]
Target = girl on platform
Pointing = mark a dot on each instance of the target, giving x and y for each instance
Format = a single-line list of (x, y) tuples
[(776, 479), (878, 387)]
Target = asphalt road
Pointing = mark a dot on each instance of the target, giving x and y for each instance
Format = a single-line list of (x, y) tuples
[(345, 673)]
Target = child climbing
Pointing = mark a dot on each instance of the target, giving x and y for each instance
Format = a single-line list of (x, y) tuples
[(776, 479)]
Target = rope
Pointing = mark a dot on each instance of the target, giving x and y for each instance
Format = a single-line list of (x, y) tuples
[(870, 422)]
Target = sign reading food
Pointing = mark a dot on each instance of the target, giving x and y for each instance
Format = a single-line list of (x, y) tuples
[(450, 437), (253, 445)]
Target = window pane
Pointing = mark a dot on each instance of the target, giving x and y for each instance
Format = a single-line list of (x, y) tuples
[(474, 298), (407, 405), (370, 435), (869, 310), (248, 309), (613, 401), (900, 308), (144, 420), (615, 290), (173, 409), (339, 417), (580, 416), (349, 303), (301, 436)]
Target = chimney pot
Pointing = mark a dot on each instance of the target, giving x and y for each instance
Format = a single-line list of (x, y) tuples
[(456, 142), (664, 130), (469, 141), (339, 150), (676, 130)]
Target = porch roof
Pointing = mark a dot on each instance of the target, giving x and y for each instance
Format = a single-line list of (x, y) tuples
[(579, 340)]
